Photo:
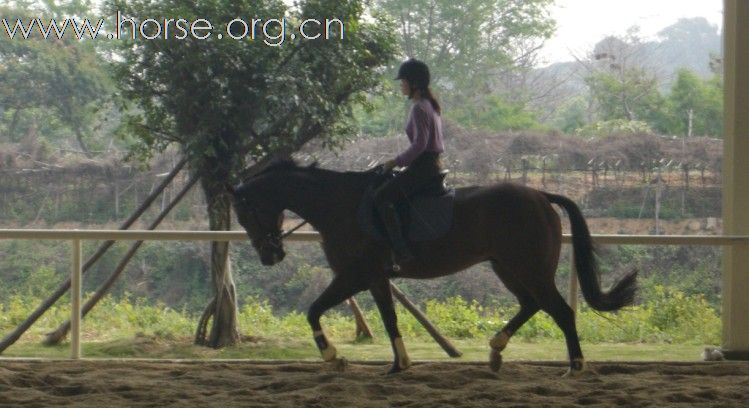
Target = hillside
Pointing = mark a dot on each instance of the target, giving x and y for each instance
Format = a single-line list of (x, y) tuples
[(689, 43)]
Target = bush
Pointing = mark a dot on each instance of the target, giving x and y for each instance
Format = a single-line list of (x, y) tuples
[(616, 127), (455, 317), (668, 316)]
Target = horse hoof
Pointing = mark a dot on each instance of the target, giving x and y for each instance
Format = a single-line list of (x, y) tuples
[(339, 364), (495, 360), (574, 373), (576, 369), (571, 373), (394, 369)]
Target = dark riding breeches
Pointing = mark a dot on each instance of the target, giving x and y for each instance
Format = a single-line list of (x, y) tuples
[(413, 178)]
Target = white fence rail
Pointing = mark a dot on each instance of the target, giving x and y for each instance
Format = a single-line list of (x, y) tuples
[(76, 236)]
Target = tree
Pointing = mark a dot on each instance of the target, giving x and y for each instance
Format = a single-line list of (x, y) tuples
[(233, 104), (571, 115), (495, 114), (469, 40), (629, 94), (696, 105), (474, 48), (55, 79), (621, 84)]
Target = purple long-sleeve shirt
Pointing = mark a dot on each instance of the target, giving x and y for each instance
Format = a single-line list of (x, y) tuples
[(424, 130)]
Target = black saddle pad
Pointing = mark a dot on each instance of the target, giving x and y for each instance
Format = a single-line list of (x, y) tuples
[(425, 217)]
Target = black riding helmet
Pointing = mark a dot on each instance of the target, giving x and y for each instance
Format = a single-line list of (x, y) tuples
[(415, 72)]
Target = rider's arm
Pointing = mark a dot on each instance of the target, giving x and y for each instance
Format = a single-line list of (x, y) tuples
[(418, 123)]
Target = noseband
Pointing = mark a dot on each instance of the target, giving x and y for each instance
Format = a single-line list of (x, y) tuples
[(273, 239)]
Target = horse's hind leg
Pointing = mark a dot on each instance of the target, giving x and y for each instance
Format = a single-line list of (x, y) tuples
[(552, 302), (383, 296), (528, 307), (341, 288)]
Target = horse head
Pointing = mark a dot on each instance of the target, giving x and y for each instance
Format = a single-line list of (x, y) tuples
[(261, 220)]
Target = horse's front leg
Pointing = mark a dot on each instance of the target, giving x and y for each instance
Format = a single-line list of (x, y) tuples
[(341, 288), (384, 298)]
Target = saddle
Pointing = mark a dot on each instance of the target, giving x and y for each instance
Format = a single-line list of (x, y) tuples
[(426, 214)]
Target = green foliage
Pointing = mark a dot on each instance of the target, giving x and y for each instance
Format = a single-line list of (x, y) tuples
[(681, 318), (222, 99), (625, 90), (173, 272), (64, 81), (624, 210), (639, 202), (462, 51), (137, 316), (669, 316), (455, 317), (494, 114), (614, 127), (110, 319), (31, 275), (703, 98), (572, 115), (628, 93), (474, 50), (383, 115)]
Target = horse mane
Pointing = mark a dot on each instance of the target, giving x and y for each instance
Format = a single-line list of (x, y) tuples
[(289, 164), (280, 164)]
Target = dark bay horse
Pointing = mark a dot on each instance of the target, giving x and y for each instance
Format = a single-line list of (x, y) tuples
[(512, 226)]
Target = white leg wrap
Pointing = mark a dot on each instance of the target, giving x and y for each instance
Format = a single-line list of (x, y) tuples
[(499, 342), (327, 350), (400, 350)]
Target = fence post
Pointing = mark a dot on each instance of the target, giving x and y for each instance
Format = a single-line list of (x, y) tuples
[(75, 301), (573, 282)]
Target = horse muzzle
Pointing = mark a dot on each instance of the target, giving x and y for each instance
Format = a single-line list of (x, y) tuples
[(272, 258)]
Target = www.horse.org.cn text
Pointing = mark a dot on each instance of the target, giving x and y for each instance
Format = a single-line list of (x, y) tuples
[(270, 31)]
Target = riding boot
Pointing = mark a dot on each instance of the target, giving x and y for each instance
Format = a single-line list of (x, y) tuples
[(394, 228)]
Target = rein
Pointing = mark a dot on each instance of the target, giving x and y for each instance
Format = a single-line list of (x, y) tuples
[(287, 233), (274, 239)]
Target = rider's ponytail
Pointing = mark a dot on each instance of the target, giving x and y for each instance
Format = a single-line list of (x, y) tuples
[(427, 94)]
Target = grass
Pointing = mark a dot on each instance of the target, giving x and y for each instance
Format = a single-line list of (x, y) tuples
[(375, 350), (671, 326)]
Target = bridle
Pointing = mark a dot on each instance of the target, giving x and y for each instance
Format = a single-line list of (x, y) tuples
[(272, 239)]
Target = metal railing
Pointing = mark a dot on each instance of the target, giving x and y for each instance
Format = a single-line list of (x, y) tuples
[(76, 236)]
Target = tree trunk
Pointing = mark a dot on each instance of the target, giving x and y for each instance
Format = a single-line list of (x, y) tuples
[(13, 124), (223, 308), (82, 144)]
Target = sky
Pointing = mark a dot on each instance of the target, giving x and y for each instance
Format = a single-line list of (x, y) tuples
[(582, 23)]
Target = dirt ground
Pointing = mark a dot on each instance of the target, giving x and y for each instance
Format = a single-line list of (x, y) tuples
[(115, 383)]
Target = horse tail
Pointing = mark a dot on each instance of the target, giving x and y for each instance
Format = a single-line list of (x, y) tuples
[(623, 291)]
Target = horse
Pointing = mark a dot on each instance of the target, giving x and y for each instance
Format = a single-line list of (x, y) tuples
[(514, 227)]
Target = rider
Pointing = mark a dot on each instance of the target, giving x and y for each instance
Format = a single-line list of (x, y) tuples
[(421, 158)]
